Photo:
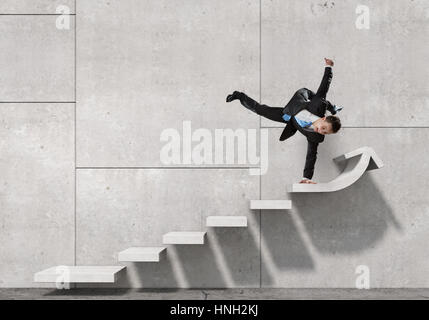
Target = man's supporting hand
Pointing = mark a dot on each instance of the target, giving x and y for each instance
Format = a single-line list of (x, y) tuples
[(307, 181), (329, 62)]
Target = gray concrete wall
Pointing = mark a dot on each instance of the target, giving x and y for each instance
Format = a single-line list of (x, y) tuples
[(81, 176)]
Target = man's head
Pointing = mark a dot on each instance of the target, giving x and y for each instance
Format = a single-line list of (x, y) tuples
[(327, 125)]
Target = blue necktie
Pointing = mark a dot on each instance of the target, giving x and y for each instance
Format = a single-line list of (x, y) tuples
[(302, 123), (286, 117)]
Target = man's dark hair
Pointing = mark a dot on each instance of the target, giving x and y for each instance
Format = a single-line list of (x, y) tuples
[(335, 122)]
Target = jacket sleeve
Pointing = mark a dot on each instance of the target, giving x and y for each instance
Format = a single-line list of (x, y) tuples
[(326, 81), (310, 159), (288, 131), (331, 108)]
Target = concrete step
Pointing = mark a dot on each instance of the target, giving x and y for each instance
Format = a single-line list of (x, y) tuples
[(79, 274), (226, 221), (141, 254), (270, 204), (184, 237)]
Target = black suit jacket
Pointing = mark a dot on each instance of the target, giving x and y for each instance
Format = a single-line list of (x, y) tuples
[(317, 104)]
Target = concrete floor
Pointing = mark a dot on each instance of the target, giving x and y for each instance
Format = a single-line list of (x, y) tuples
[(213, 294)]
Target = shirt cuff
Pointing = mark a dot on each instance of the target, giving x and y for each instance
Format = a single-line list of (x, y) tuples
[(304, 178)]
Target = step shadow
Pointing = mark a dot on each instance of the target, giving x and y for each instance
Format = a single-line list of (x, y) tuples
[(347, 221), (88, 292)]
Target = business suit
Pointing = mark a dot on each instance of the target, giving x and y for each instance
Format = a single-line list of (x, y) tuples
[(315, 103), (304, 98)]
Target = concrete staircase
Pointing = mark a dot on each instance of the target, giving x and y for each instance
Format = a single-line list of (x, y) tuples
[(184, 237), (226, 221), (79, 274), (357, 162), (270, 204), (141, 254)]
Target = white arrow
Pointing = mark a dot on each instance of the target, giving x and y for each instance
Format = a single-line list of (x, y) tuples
[(358, 161)]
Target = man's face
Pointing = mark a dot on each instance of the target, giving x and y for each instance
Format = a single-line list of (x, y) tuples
[(323, 127)]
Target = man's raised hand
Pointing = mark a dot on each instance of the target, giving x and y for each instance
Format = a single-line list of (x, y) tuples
[(329, 62)]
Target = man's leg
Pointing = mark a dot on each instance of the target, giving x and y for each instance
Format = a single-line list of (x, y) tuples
[(272, 113)]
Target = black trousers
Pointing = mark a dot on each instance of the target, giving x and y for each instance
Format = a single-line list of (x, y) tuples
[(272, 113), (276, 114)]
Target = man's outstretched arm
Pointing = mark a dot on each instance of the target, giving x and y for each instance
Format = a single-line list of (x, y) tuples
[(331, 108), (310, 160), (326, 80)]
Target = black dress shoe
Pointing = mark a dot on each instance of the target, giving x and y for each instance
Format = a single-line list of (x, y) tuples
[(234, 96)]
